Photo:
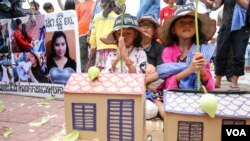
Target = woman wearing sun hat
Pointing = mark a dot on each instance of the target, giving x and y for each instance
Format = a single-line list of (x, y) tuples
[(129, 51), (181, 60)]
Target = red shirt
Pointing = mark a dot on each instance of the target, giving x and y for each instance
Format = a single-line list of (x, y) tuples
[(23, 44), (166, 12)]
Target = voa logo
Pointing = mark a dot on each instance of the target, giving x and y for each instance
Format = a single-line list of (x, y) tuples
[(236, 132)]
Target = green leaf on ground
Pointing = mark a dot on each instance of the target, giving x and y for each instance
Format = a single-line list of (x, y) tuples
[(43, 104), (7, 133), (39, 123), (50, 98), (2, 107), (73, 136)]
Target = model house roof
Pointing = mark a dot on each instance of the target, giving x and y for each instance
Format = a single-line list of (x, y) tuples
[(229, 105), (112, 83)]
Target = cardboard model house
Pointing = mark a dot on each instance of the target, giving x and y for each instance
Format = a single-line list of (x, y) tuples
[(184, 119), (109, 108)]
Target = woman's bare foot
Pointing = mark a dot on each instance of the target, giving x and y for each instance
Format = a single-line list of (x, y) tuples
[(234, 82), (217, 81)]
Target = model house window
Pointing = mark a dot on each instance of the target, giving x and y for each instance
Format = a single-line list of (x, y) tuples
[(233, 122), (190, 131), (84, 116), (120, 119)]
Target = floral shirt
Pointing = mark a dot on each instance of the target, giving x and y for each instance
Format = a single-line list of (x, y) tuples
[(137, 56)]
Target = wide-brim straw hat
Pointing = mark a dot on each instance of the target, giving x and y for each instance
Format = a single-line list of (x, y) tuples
[(129, 21), (208, 25), (149, 18)]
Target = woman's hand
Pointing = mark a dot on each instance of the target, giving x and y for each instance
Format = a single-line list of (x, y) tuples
[(198, 62)]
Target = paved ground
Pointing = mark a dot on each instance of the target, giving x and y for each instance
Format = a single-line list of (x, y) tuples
[(20, 111), (244, 83)]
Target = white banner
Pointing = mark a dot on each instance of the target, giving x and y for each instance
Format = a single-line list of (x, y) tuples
[(38, 54), (65, 20)]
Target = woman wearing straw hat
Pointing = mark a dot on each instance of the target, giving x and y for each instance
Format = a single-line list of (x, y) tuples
[(129, 56), (181, 60)]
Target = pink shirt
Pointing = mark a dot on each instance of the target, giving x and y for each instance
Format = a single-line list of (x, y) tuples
[(171, 54)]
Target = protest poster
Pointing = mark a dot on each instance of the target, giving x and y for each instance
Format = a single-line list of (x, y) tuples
[(38, 53)]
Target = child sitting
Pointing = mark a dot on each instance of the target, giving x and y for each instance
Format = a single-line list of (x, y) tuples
[(181, 60), (129, 56)]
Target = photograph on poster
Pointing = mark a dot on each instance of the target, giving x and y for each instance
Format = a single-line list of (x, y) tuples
[(27, 34), (37, 58), (61, 55), (4, 36), (30, 67), (6, 73)]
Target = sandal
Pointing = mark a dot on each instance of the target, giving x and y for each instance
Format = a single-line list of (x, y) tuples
[(234, 88)]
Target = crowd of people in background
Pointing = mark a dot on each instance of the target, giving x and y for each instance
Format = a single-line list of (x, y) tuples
[(161, 43)]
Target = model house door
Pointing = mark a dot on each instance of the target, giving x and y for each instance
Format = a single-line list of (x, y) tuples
[(120, 125)]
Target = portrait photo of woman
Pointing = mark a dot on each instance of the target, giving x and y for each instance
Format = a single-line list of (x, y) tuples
[(59, 63)]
